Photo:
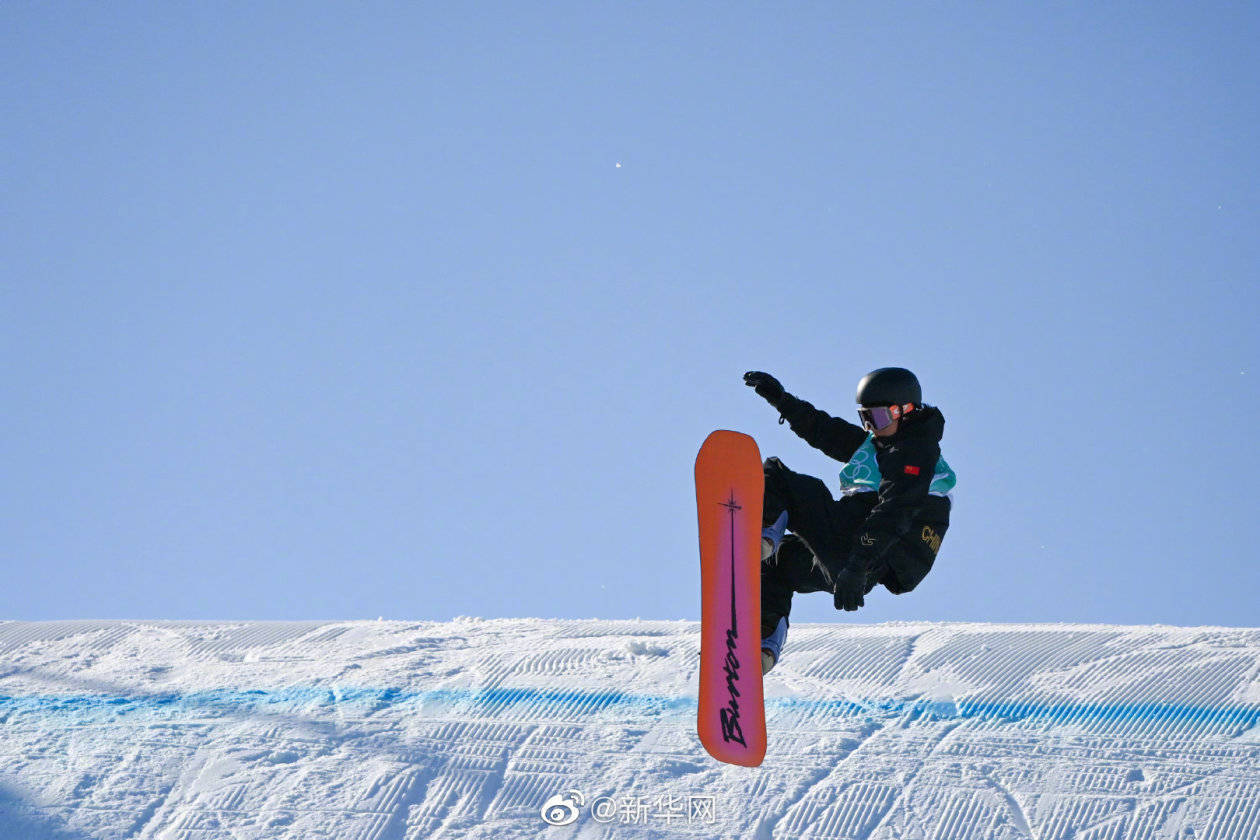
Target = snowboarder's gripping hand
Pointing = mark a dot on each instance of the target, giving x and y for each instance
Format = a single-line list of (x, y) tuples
[(850, 586), (767, 387)]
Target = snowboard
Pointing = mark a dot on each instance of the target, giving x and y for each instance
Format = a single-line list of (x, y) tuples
[(731, 717)]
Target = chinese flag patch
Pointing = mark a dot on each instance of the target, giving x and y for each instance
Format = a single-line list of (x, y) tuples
[(912, 470)]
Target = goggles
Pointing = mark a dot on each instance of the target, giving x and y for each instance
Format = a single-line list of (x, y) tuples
[(880, 417)]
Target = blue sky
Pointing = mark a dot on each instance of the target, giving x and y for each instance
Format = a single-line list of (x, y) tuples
[(423, 310)]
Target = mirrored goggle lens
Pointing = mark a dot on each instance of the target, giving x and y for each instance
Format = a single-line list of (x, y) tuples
[(876, 419)]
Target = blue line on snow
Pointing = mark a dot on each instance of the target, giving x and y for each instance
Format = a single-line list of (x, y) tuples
[(532, 702)]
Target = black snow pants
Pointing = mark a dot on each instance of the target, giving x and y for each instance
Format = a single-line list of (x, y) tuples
[(822, 534)]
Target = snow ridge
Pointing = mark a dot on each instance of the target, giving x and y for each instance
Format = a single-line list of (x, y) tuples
[(401, 731)]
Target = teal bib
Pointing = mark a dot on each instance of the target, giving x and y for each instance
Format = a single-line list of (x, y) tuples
[(861, 474)]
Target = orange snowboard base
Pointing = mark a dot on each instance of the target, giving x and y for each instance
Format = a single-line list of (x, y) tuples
[(729, 486)]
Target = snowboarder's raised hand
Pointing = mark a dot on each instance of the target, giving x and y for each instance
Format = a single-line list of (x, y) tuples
[(767, 387), (850, 586)]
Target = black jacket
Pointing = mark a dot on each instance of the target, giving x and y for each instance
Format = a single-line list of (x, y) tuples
[(907, 462)]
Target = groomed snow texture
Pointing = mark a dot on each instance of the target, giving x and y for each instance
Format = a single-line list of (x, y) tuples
[(467, 728)]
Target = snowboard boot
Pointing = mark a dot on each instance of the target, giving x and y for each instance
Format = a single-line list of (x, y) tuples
[(772, 535), (773, 635)]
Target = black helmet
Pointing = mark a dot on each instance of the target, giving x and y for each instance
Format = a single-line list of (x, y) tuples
[(889, 386)]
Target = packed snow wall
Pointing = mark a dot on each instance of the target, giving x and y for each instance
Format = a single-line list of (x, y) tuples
[(586, 729)]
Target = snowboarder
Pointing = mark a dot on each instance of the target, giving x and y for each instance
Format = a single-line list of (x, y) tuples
[(887, 526)]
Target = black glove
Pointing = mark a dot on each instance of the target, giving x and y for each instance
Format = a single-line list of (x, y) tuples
[(766, 385), (849, 587)]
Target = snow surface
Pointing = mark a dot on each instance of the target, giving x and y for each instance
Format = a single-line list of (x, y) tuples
[(465, 729)]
